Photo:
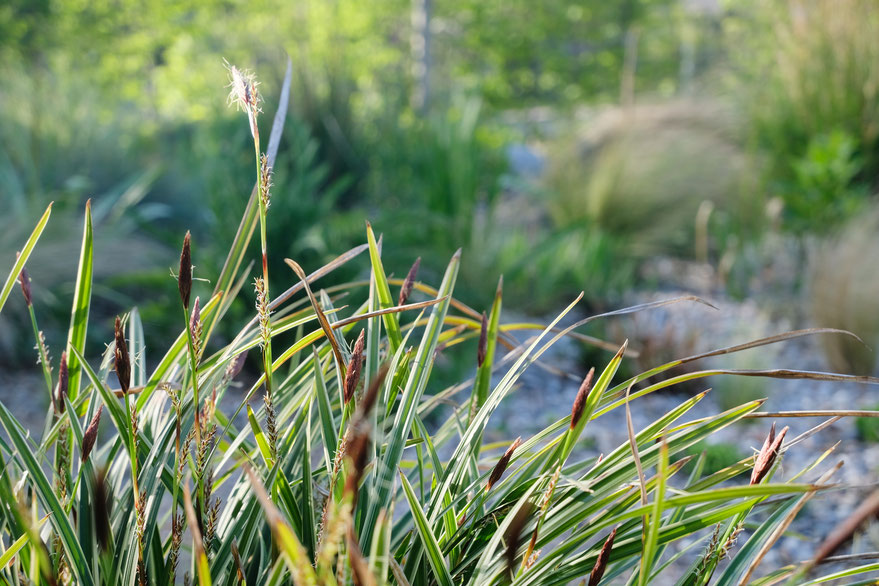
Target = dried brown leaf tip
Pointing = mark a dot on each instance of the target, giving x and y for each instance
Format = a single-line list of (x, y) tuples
[(502, 464), (184, 275), (352, 376), (91, 434), (767, 455), (580, 400), (121, 359), (409, 282), (25, 281), (601, 562), (482, 348), (61, 391)]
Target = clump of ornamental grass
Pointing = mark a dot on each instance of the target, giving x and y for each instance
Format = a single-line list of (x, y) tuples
[(356, 468)]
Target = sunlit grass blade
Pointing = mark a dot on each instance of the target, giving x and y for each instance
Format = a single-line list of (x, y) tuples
[(431, 547), (22, 258), (392, 324), (82, 296), (46, 495)]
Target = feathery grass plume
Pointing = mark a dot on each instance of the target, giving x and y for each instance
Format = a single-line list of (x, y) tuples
[(482, 347), (101, 508), (244, 94), (121, 359), (25, 282), (767, 455), (91, 434), (580, 400), (195, 327), (61, 389), (409, 282), (502, 464), (601, 563), (352, 376), (513, 535), (184, 275)]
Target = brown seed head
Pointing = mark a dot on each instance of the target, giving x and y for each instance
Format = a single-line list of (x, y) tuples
[(25, 281), (184, 275), (767, 455), (61, 393), (580, 401), (601, 562), (352, 377), (409, 281), (122, 361), (482, 348), (91, 434), (502, 464)]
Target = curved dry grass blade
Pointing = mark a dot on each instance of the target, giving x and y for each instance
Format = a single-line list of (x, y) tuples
[(812, 413), (321, 317)]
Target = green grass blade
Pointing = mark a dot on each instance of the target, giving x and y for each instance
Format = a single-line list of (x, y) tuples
[(428, 541), (383, 290), (82, 297), (22, 258), (46, 495)]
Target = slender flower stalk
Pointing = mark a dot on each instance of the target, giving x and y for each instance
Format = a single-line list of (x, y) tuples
[(245, 95)]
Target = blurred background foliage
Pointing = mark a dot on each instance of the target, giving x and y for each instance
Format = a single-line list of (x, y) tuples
[(570, 145)]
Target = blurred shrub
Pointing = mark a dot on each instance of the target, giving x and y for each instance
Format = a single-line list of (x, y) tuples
[(434, 182), (636, 178), (843, 292), (808, 73)]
